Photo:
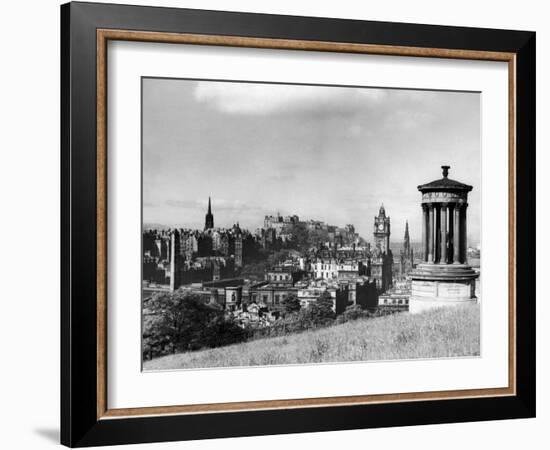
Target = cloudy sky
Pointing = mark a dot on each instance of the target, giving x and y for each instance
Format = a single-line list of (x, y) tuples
[(321, 152)]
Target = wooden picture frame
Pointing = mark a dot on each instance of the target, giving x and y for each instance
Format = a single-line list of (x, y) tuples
[(86, 418)]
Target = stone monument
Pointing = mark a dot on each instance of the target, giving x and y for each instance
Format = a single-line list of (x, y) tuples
[(443, 278)]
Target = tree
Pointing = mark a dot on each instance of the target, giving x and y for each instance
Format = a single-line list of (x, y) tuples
[(319, 312), (352, 312), (325, 300), (181, 321), (300, 237), (291, 304), (222, 330)]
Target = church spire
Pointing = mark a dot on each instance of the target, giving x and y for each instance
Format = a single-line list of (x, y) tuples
[(406, 239), (209, 218)]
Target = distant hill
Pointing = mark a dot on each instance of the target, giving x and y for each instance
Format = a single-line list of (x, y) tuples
[(397, 246), (155, 226)]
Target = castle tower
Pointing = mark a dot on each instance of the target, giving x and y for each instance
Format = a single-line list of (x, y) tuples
[(444, 277), (209, 218)]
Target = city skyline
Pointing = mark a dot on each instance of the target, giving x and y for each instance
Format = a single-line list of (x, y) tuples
[(397, 240), (325, 153)]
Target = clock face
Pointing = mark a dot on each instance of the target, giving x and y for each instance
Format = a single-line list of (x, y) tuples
[(381, 227)]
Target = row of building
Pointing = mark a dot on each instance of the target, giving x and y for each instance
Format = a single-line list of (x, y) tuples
[(208, 262), (247, 299)]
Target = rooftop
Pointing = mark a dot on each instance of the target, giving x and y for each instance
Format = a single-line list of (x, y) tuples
[(444, 184)]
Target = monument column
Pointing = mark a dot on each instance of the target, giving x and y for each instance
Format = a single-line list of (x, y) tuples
[(174, 271), (431, 233), (435, 232), (443, 234), (424, 232), (456, 234), (464, 234)]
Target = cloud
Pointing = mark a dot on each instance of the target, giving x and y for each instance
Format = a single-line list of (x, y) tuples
[(409, 119), (148, 204), (259, 98), (355, 130), (185, 203)]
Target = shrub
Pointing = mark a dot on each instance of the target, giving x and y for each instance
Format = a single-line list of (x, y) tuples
[(319, 313), (291, 304), (180, 321), (352, 312)]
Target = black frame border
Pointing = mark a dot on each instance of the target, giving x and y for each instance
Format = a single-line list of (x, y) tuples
[(79, 423)]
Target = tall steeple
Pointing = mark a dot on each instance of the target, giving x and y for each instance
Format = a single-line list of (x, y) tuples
[(406, 258), (209, 218), (406, 239)]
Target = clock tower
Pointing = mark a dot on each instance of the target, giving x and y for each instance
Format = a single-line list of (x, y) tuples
[(382, 231)]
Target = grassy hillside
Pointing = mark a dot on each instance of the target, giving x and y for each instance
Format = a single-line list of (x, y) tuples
[(444, 332)]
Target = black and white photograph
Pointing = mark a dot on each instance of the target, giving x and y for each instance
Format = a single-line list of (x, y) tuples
[(275, 225), (301, 224)]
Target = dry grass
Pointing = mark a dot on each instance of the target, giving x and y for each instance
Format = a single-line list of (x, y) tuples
[(440, 333)]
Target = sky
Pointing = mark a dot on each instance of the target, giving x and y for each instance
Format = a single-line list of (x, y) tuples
[(328, 153)]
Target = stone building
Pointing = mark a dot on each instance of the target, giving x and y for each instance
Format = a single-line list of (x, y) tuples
[(204, 244), (271, 295), (284, 275), (351, 269), (366, 293), (381, 264), (382, 231), (280, 224), (326, 269), (394, 299), (189, 244), (176, 261), (267, 238), (238, 251), (199, 269), (311, 292)]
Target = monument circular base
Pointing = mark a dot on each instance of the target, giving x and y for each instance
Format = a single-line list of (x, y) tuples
[(419, 304), (444, 272), (441, 285)]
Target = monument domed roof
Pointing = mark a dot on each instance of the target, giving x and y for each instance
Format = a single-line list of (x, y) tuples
[(444, 184)]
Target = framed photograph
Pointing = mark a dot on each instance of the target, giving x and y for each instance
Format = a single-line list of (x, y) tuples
[(277, 224)]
